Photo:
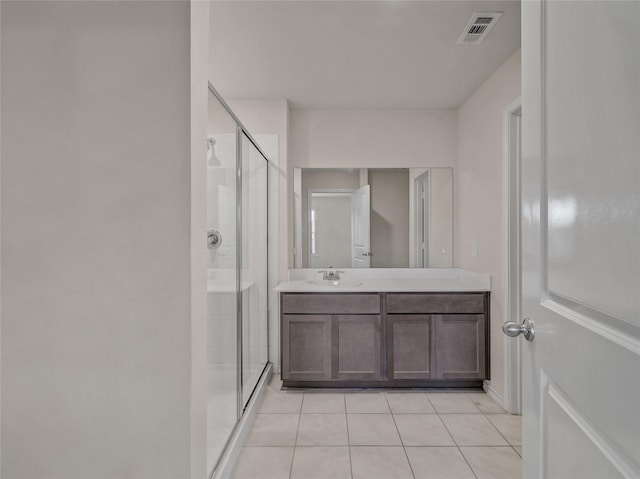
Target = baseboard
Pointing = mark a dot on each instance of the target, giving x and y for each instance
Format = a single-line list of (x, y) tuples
[(493, 394), (234, 446)]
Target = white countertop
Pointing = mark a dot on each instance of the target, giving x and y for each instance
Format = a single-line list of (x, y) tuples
[(388, 280)]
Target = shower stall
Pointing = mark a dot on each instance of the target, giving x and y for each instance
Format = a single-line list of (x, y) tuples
[(237, 286)]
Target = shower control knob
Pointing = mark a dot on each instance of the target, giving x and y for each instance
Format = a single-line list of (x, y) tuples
[(214, 238), (513, 329)]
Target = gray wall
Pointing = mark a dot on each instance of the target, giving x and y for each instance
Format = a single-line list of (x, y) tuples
[(96, 346), (389, 218)]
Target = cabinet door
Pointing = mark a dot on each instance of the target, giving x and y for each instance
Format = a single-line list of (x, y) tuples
[(306, 347), (410, 346), (356, 347), (460, 346)]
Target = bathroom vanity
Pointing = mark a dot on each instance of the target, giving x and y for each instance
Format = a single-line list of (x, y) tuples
[(386, 332)]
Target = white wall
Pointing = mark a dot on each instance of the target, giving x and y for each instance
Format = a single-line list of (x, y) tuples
[(372, 138), (480, 206), (271, 117), (441, 213), (199, 59), (263, 120), (98, 288)]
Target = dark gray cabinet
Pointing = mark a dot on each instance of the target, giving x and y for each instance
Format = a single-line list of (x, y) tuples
[(460, 346), (306, 346), (449, 327), (356, 347), (410, 346), (384, 339), (343, 343)]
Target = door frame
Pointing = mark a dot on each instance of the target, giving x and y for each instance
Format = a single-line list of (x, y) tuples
[(512, 115), (422, 178)]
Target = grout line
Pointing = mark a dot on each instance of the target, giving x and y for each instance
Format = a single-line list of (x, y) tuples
[(505, 437), (496, 428), (307, 446), (295, 442), (467, 461), (502, 411), (480, 447), (445, 426), (302, 402), (429, 401), (514, 448), (346, 418), (404, 449), (456, 443)]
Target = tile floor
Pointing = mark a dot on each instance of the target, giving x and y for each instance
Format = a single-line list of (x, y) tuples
[(377, 435)]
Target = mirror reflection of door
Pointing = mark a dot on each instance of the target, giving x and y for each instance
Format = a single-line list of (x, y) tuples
[(329, 216), (339, 228), (361, 227)]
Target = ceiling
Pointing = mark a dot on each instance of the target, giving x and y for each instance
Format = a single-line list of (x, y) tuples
[(356, 54)]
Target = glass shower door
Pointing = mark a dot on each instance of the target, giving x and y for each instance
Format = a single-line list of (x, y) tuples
[(222, 307), (253, 274), (237, 294)]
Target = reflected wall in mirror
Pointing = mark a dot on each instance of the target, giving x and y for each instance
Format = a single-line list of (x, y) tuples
[(373, 218)]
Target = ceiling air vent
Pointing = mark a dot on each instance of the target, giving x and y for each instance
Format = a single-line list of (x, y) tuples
[(478, 27)]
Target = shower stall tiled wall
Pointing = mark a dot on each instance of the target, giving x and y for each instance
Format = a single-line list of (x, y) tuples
[(237, 293)]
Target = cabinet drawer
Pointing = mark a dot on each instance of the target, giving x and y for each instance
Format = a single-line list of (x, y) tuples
[(341, 303), (431, 303)]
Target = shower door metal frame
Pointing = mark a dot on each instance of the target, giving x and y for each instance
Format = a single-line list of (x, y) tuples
[(241, 131)]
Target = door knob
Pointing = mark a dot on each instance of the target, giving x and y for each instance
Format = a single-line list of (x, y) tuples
[(513, 329)]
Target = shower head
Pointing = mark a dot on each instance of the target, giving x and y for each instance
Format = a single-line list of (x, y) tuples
[(212, 159)]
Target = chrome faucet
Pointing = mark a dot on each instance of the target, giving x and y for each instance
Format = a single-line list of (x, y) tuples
[(331, 275)]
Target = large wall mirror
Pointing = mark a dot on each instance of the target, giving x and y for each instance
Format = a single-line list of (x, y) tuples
[(373, 217)]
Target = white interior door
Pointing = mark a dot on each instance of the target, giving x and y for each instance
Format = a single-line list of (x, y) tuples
[(360, 227), (580, 239)]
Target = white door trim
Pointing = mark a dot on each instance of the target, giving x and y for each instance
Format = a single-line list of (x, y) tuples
[(421, 212), (297, 217), (512, 265)]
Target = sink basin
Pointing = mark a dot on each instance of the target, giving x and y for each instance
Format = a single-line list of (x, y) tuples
[(336, 283)]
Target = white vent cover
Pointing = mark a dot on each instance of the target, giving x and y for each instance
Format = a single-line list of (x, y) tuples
[(478, 27)]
